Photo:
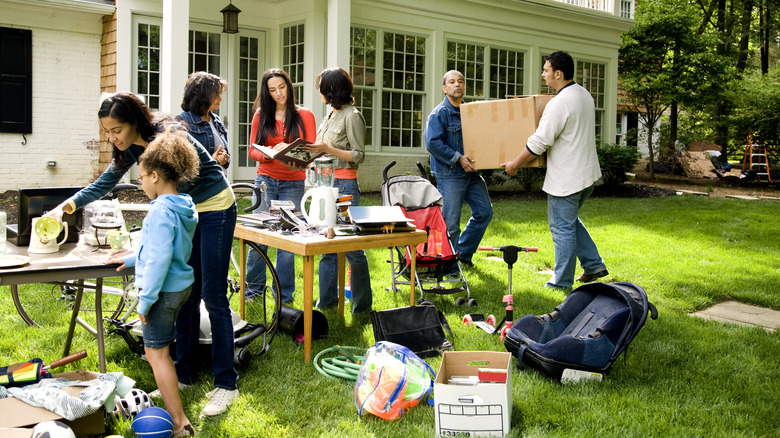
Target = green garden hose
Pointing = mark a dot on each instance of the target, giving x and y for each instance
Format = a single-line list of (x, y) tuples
[(346, 365)]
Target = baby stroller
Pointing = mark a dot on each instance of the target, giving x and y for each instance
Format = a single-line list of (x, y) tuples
[(437, 268)]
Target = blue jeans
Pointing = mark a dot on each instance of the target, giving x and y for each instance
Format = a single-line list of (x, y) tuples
[(210, 259), (472, 190), (571, 239), (278, 190), (359, 280)]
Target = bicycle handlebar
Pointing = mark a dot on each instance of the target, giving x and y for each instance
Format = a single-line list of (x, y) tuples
[(257, 190), (504, 248)]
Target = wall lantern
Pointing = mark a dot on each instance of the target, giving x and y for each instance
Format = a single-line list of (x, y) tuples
[(230, 18)]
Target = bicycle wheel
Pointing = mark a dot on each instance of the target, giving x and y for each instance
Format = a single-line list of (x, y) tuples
[(261, 312), (45, 305)]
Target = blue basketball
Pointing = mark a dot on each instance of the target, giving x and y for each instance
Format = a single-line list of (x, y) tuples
[(153, 422)]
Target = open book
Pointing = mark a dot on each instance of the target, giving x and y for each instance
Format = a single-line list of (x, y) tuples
[(292, 155)]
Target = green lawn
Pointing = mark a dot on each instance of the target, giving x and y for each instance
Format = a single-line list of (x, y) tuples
[(682, 376)]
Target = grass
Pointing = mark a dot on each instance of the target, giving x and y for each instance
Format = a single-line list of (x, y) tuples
[(683, 376)]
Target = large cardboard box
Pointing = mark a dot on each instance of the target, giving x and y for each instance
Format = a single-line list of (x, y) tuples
[(484, 409), (495, 131), (17, 414)]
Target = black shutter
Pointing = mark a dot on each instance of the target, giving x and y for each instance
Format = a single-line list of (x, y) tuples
[(16, 80)]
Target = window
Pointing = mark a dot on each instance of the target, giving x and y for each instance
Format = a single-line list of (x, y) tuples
[(16, 80), (204, 51), (148, 67), (363, 56), (592, 76), (627, 8), (400, 90), (507, 73), (468, 59), (503, 73), (292, 57), (248, 66)]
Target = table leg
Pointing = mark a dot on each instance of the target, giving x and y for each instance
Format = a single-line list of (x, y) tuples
[(342, 257), (99, 324), (411, 276), (74, 316), (242, 275), (308, 292)]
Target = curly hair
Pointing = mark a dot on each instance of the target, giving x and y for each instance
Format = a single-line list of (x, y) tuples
[(336, 85), (172, 156), (201, 90)]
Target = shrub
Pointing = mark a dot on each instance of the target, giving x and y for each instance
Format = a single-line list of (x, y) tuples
[(615, 161)]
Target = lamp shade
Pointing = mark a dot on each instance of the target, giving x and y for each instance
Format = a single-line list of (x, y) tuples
[(230, 18)]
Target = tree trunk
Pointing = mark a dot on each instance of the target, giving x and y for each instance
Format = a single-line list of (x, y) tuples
[(673, 124), (744, 38)]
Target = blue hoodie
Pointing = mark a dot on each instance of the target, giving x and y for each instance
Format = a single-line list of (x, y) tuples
[(166, 244)]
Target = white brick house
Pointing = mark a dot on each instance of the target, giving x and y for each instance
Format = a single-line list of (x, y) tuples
[(396, 50)]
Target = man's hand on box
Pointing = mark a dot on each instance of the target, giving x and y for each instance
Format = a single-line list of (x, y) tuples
[(466, 162)]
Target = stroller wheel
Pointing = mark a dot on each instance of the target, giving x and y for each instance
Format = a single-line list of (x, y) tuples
[(472, 302), (460, 301)]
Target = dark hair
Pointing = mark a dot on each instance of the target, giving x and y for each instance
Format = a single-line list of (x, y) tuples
[(563, 62), (444, 78), (129, 108), (172, 156), (266, 106), (201, 90), (336, 85)]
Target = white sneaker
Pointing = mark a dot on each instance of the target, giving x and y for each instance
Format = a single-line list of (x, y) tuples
[(220, 400), (156, 392)]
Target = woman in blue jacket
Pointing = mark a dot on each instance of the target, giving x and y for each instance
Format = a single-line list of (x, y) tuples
[(202, 96), (130, 126)]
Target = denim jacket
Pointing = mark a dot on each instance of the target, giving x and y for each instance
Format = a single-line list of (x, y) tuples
[(444, 140), (202, 132)]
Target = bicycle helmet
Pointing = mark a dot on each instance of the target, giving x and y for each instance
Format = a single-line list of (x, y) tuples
[(133, 402)]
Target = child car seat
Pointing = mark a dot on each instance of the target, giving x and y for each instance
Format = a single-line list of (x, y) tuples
[(588, 331)]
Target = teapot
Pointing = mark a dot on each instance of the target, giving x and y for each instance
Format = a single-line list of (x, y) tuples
[(46, 229), (322, 211)]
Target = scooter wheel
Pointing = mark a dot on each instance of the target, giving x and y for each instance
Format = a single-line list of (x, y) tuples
[(467, 320), (491, 319)]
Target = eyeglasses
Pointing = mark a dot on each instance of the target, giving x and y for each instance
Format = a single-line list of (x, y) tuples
[(141, 178)]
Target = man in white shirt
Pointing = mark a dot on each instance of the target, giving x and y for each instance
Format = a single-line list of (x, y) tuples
[(567, 133)]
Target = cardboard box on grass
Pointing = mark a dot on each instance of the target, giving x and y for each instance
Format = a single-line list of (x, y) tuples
[(17, 414), (495, 131), (472, 410)]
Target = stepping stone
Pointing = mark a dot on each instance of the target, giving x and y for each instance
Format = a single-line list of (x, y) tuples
[(692, 192), (749, 198), (744, 314)]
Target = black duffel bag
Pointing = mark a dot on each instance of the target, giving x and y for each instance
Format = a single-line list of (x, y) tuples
[(419, 328)]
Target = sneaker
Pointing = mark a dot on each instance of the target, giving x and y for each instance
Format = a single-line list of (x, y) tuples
[(466, 263), (188, 430), (220, 400), (587, 278), (156, 392)]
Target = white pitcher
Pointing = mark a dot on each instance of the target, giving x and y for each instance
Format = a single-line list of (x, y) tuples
[(44, 238), (322, 211)]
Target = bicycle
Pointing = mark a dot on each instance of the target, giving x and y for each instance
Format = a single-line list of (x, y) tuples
[(119, 300)]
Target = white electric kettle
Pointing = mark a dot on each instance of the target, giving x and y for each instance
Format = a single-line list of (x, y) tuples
[(44, 236), (322, 210)]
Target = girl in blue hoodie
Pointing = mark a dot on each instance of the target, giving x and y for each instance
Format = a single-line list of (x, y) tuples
[(162, 275)]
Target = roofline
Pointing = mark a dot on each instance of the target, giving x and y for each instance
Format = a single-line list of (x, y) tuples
[(104, 7)]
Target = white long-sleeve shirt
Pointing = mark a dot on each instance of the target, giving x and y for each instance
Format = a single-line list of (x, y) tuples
[(567, 131)]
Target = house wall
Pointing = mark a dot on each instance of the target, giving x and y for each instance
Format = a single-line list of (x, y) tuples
[(66, 86)]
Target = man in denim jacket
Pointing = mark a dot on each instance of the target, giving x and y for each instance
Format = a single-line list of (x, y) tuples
[(456, 177)]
